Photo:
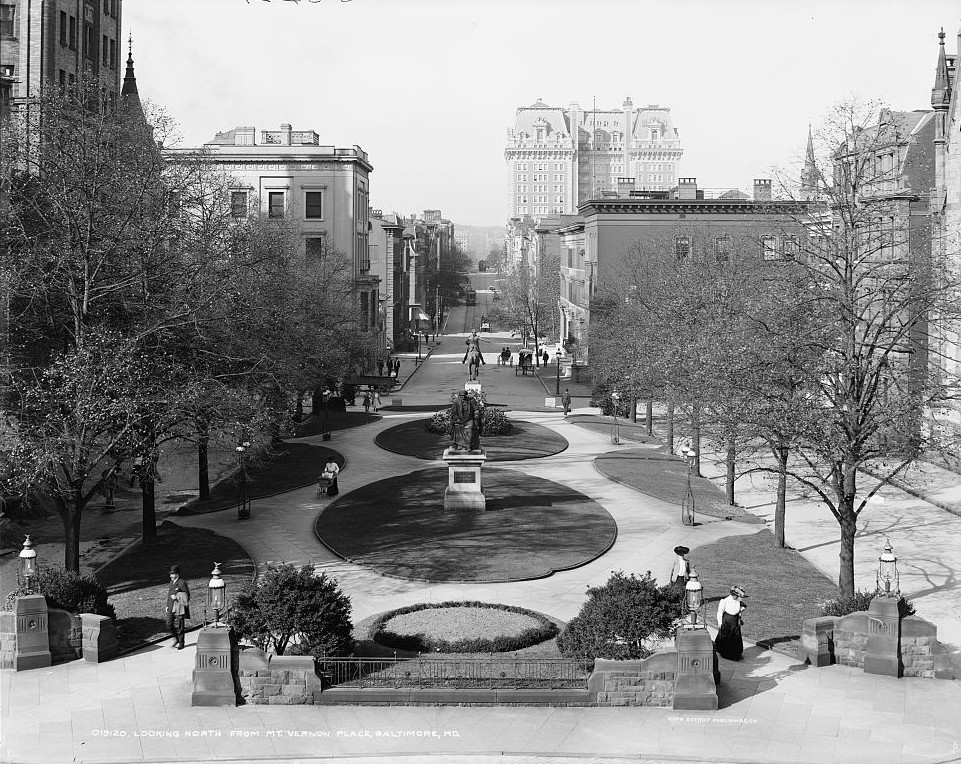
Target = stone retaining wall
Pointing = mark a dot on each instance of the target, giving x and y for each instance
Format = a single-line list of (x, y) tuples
[(8, 638), (277, 680), (648, 682), (63, 629)]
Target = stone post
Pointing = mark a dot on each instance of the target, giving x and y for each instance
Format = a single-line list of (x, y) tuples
[(464, 490), (32, 638), (882, 655), (99, 637), (817, 641), (695, 683), (213, 676)]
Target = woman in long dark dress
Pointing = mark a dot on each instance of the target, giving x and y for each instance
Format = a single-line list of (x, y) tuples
[(728, 642)]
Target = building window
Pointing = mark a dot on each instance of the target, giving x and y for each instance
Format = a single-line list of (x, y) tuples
[(105, 51), (89, 46), (364, 311), (722, 248), (113, 54), (769, 248), (314, 249), (789, 247), (106, 7), (275, 204), (314, 205), (73, 33), (63, 28), (6, 20), (238, 204), (682, 246)]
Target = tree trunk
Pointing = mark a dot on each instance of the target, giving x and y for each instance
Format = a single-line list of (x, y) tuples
[(696, 438), (670, 427), (781, 452), (149, 508), (634, 410), (731, 468), (650, 416), (299, 407), (203, 463), (849, 526), (70, 515)]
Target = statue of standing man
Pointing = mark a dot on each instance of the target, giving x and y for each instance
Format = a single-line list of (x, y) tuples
[(465, 423)]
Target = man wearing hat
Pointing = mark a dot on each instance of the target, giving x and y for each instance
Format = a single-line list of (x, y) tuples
[(728, 642), (178, 607), (682, 566)]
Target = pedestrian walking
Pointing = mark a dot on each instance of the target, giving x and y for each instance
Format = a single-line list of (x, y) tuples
[(178, 606), (331, 470), (136, 470), (367, 401), (396, 368), (547, 358), (681, 569), (380, 367), (566, 401), (377, 403), (728, 642)]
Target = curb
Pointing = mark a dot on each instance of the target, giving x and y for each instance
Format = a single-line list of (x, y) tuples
[(902, 486), (417, 367)]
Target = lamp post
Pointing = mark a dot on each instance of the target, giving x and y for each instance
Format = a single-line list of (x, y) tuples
[(694, 601), (888, 580), (615, 435), (216, 596), (243, 502), (418, 349), (687, 506), (27, 565), (557, 389)]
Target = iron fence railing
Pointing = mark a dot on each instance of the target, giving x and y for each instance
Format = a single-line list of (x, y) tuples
[(494, 672)]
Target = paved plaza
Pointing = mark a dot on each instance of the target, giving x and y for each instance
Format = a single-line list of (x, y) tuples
[(773, 709)]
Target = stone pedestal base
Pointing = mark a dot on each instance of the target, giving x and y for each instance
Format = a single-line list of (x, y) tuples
[(473, 385), (464, 490), (695, 684), (881, 655), (213, 678), (32, 648), (817, 641), (99, 637)]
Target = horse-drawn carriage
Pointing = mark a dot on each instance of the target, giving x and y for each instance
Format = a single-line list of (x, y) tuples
[(525, 362)]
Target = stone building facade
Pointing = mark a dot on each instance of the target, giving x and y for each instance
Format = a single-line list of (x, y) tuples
[(558, 158)]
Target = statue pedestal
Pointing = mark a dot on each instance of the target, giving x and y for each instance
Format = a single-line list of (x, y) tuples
[(464, 492), (882, 653), (472, 385)]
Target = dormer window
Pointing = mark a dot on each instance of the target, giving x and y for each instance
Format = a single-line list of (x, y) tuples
[(655, 134)]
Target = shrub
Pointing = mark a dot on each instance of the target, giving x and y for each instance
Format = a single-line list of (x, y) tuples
[(859, 602), (66, 590), (601, 396), (293, 610), (493, 421), (619, 617), (545, 629)]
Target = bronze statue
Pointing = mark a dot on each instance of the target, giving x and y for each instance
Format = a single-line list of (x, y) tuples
[(465, 423)]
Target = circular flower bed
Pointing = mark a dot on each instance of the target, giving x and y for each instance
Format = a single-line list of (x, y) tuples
[(461, 627), (493, 421)]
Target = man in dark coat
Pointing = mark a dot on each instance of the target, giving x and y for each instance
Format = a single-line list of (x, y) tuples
[(178, 606)]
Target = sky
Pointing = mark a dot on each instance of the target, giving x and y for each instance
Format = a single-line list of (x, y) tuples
[(429, 88)]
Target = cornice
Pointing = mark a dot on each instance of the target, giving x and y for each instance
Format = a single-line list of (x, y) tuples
[(693, 206)]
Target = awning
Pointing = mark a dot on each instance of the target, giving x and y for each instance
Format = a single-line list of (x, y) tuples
[(419, 315)]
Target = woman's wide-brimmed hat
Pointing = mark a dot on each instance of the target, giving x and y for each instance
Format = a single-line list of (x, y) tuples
[(738, 591), (681, 550)]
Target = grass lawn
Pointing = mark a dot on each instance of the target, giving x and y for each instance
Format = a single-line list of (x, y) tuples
[(664, 476), (526, 441), (531, 528), (290, 466), (137, 580), (783, 588), (636, 432), (336, 420)]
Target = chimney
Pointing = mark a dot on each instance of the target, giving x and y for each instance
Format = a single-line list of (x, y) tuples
[(762, 189), (625, 186), (687, 188), (286, 130)]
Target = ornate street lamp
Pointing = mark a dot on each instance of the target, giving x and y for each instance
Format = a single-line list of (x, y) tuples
[(557, 390), (687, 506), (243, 502), (27, 565), (216, 596), (615, 435), (694, 601), (888, 579)]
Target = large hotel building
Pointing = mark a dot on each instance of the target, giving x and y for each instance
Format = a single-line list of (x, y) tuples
[(558, 158)]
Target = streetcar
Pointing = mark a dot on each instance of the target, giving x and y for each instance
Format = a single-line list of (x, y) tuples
[(470, 296)]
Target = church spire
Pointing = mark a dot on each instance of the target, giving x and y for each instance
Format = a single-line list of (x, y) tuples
[(130, 105), (941, 92), (809, 175), (129, 79)]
